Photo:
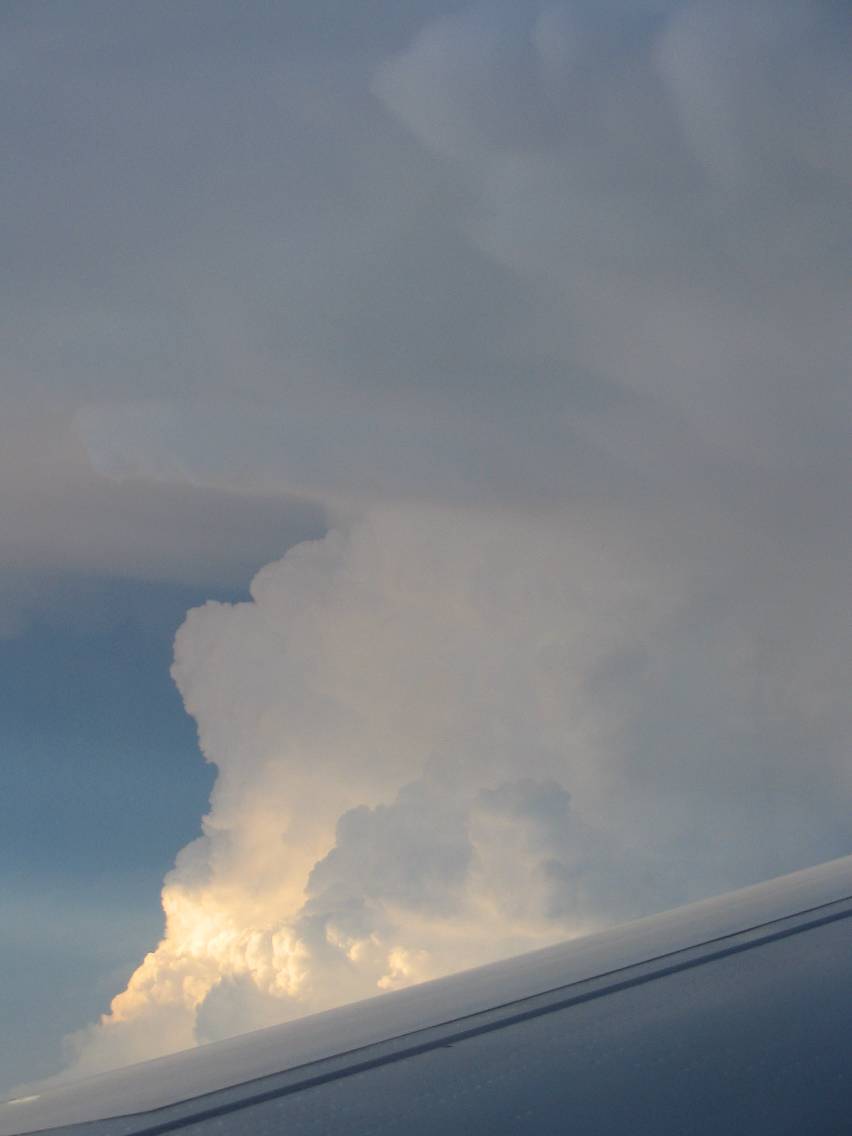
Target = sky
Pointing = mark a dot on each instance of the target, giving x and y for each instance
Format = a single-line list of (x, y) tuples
[(425, 454)]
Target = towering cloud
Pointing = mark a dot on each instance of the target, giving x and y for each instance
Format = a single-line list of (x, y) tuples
[(444, 737), (394, 718), (577, 646)]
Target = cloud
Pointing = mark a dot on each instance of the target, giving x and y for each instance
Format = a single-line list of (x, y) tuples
[(654, 201), (390, 715), (442, 737), (554, 326), (601, 256), (63, 524)]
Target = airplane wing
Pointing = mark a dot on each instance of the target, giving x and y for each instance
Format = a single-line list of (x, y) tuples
[(733, 1015)]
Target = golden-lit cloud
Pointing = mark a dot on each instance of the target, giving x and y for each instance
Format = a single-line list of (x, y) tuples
[(394, 718)]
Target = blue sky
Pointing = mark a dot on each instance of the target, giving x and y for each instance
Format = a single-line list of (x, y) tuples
[(486, 364), (102, 782)]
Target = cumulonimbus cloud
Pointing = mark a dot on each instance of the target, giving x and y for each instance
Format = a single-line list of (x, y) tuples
[(435, 740), (470, 720), (394, 717)]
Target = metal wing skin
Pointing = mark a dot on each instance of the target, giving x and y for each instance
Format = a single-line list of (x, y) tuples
[(733, 1015)]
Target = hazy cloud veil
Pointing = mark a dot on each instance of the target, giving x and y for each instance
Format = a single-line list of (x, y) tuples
[(578, 643)]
